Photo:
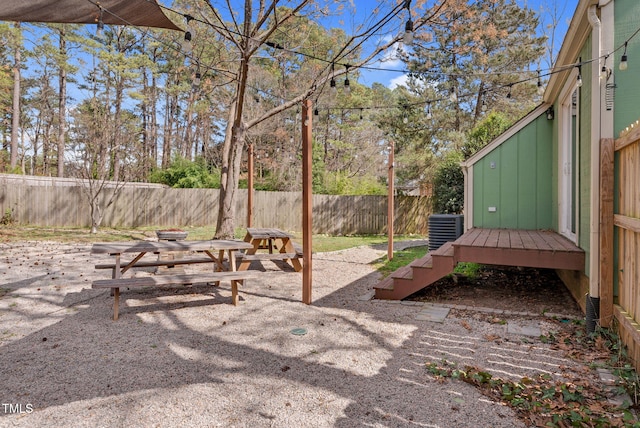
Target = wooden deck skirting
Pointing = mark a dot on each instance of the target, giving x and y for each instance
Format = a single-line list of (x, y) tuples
[(507, 247)]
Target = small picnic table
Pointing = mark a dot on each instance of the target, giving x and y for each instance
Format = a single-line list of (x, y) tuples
[(214, 250), (278, 244)]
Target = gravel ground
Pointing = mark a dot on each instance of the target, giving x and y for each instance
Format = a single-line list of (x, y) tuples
[(188, 357)]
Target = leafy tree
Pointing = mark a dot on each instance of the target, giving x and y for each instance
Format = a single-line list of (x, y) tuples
[(184, 173), (484, 132), (247, 35), (473, 58), (448, 185)]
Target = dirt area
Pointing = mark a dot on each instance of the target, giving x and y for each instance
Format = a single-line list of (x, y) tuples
[(507, 288)]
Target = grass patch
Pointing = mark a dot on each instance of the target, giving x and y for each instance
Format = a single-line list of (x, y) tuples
[(320, 243), (400, 258), (468, 269)]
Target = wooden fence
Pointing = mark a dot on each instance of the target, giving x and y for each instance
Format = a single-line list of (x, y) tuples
[(620, 265), (44, 201)]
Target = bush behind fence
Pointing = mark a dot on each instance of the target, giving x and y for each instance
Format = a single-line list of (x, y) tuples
[(45, 201)]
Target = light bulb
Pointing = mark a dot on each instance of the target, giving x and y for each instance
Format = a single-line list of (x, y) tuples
[(186, 42), (603, 73), (407, 38), (453, 96), (623, 62), (100, 29), (579, 81)]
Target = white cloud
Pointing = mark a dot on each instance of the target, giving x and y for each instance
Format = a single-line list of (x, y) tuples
[(398, 81)]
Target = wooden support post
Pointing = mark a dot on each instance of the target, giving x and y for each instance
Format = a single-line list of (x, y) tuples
[(250, 185), (307, 203), (606, 230), (390, 202)]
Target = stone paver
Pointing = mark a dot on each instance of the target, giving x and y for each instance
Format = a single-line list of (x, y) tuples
[(434, 313), (524, 329)]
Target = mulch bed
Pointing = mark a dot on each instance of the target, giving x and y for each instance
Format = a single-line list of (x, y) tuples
[(504, 287)]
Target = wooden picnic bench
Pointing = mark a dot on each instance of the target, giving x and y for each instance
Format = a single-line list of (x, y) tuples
[(220, 271), (181, 279), (279, 246)]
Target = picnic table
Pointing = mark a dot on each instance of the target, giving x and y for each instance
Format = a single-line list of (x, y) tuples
[(200, 251), (278, 244)]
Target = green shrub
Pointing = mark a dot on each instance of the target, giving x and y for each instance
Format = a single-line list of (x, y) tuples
[(184, 173), (448, 185)]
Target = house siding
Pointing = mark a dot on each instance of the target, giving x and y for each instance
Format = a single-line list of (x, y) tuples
[(519, 185), (627, 93)]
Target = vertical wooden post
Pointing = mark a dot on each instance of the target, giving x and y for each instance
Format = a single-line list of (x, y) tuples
[(606, 230), (250, 185), (307, 193), (390, 202)]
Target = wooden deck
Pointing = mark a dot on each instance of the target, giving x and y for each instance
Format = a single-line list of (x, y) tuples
[(527, 248), (507, 247)]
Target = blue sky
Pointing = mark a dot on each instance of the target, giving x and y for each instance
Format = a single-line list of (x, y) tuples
[(563, 9)]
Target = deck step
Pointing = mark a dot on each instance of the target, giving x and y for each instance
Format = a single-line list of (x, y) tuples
[(405, 272), (417, 275), (424, 262), (385, 284), (446, 250)]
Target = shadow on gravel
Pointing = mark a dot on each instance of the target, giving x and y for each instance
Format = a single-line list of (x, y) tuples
[(191, 352)]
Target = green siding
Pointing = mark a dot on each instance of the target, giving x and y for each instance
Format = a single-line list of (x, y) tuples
[(627, 93), (519, 186)]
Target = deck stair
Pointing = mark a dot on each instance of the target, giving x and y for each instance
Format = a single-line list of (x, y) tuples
[(418, 274), (509, 247)]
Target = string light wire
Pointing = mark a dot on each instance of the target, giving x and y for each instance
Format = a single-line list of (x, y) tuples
[(386, 19)]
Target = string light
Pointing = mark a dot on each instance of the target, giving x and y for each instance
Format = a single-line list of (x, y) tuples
[(100, 25), (197, 78), (407, 38), (623, 59), (540, 87), (509, 93), (347, 85), (579, 78), (429, 115), (453, 96), (332, 83), (188, 35), (622, 65)]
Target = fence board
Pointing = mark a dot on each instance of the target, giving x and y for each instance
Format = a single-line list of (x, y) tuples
[(627, 222), (45, 201)]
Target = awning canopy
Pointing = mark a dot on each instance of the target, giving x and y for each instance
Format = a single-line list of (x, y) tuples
[(142, 13)]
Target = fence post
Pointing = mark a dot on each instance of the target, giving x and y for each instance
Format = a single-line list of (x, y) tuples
[(606, 230)]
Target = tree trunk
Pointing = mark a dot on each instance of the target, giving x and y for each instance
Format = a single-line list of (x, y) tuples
[(15, 112), (62, 98)]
